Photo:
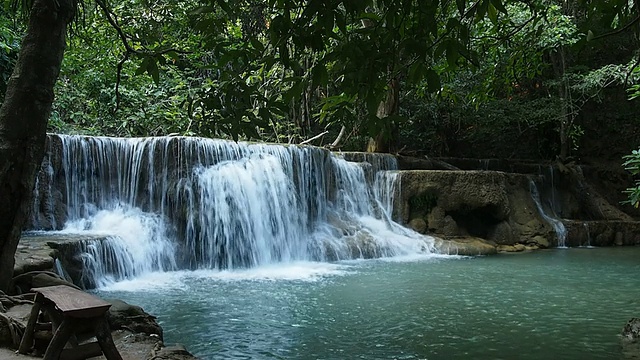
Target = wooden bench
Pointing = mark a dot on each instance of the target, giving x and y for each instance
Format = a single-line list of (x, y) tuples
[(69, 310)]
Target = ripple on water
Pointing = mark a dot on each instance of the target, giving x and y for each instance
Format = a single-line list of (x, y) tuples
[(568, 304)]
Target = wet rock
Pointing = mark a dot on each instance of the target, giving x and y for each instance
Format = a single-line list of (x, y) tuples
[(418, 225), (122, 315), (467, 246), (23, 283), (175, 352), (435, 219), (631, 339), (540, 241), (631, 330), (49, 279), (363, 246), (506, 248), (502, 234), (515, 248), (450, 227)]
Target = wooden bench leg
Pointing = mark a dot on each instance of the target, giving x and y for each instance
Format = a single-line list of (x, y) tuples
[(60, 338), (56, 319), (103, 335), (27, 339)]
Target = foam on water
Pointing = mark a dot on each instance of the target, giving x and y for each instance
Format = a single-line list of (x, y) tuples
[(296, 271), (153, 282), (177, 280), (136, 243)]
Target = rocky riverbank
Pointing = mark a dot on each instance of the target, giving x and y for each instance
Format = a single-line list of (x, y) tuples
[(136, 333)]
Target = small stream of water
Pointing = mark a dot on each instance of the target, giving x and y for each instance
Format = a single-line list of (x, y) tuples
[(558, 226)]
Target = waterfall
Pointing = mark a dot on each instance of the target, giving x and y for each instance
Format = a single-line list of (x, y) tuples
[(170, 203), (587, 231), (558, 226)]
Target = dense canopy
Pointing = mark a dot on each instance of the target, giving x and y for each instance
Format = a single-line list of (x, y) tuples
[(484, 78)]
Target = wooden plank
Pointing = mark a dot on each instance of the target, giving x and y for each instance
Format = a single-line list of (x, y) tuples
[(72, 302), (103, 335), (27, 338), (59, 340), (82, 352)]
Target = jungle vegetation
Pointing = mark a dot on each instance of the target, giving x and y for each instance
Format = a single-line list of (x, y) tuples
[(499, 78)]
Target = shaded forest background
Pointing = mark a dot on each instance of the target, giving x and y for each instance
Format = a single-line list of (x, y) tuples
[(140, 68), (504, 103)]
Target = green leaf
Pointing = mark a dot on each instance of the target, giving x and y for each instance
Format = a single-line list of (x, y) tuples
[(257, 44), (416, 72), (461, 5), (440, 49), (294, 92), (143, 67), (173, 55), (482, 9), (202, 10), (493, 14), (341, 22), (433, 81), (152, 69), (224, 6), (370, 16), (452, 54), (319, 75), (498, 5), (284, 54)]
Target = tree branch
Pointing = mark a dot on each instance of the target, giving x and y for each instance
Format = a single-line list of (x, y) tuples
[(314, 138), (618, 31), (129, 50), (118, 77)]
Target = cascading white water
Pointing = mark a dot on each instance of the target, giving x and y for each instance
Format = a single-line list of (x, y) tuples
[(135, 243), (248, 214), (558, 226), (587, 232), (191, 203)]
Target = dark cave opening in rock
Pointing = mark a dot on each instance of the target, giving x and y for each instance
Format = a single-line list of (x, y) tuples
[(478, 222)]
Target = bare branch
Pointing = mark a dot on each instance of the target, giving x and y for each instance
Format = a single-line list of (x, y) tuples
[(314, 138)]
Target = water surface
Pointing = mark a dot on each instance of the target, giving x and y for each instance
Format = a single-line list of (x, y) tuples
[(555, 304)]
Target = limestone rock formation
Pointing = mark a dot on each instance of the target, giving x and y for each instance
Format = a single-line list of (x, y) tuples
[(490, 205)]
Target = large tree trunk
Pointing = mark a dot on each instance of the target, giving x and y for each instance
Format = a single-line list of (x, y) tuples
[(23, 120), (389, 106)]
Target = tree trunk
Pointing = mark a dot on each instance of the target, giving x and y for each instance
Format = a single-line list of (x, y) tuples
[(566, 117), (389, 106), (23, 120)]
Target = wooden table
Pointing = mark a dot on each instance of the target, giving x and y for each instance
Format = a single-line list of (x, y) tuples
[(68, 310)]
